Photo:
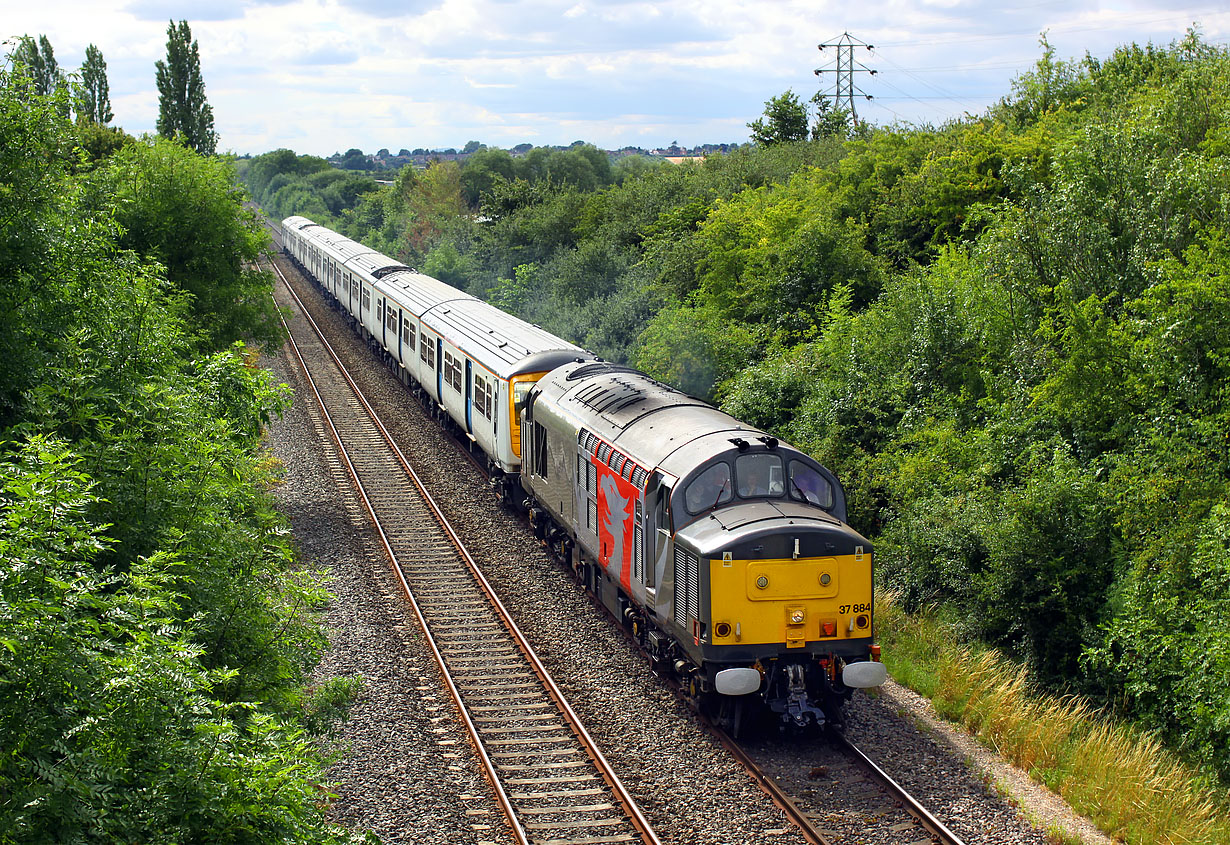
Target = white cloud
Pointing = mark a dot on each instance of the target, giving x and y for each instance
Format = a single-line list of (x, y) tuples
[(324, 75)]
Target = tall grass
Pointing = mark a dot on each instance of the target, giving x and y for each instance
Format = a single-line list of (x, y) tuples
[(1126, 782)]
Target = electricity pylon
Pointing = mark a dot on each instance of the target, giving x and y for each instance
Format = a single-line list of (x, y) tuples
[(843, 97)]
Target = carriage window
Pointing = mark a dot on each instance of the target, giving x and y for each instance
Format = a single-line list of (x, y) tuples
[(711, 487), (759, 475), (451, 371), (390, 319), (482, 396), (367, 299), (427, 351), (809, 485), (407, 334)]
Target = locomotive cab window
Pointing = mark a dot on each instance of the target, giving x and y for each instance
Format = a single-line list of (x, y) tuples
[(810, 486), (709, 489), (760, 475)]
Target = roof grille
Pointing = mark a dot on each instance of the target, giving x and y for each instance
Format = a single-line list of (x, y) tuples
[(381, 272)]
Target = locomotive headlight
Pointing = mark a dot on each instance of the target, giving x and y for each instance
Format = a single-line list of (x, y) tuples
[(796, 617), (825, 578)]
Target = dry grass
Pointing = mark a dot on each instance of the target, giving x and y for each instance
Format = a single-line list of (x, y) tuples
[(1126, 782)]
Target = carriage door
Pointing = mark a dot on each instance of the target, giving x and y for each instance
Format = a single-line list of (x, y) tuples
[(440, 370), (469, 395)]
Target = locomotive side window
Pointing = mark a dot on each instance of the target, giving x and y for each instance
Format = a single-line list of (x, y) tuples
[(711, 488), (759, 475), (809, 485), (540, 450)]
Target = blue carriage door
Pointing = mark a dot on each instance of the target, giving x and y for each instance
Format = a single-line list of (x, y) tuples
[(440, 371), (469, 395), (401, 334)]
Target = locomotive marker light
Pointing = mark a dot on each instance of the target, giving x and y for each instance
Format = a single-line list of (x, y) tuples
[(762, 582)]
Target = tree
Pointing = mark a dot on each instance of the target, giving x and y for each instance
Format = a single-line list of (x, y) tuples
[(784, 121), (831, 121), (355, 160), (40, 64), (182, 109), (187, 212), (94, 96)]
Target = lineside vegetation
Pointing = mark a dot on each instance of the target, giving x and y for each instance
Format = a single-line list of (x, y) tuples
[(155, 632)]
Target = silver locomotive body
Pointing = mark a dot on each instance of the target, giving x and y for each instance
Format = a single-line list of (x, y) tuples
[(724, 550)]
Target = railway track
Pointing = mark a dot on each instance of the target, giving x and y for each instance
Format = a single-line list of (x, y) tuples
[(885, 805), (547, 774)]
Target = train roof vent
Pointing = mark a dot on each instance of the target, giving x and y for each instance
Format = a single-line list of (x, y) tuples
[(597, 368), (608, 395), (639, 477), (381, 272)]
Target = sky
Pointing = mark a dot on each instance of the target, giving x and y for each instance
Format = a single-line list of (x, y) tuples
[(324, 76)]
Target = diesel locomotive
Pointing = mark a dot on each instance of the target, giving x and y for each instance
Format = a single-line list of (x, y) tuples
[(722, 549)]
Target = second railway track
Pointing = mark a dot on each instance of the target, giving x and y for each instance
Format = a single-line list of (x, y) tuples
[(550, 778)]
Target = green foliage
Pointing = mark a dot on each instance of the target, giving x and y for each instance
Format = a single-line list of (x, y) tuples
[(98, 142), (691, 347), (154, 637), (111, 729), (1032, 424), (187, 213), (183, 112)]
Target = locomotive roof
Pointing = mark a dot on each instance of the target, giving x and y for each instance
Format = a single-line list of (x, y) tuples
[(652, 423), (502, 343)]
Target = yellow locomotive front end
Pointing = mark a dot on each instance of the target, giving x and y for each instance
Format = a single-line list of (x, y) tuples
[(784, 616), (790, 601)]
